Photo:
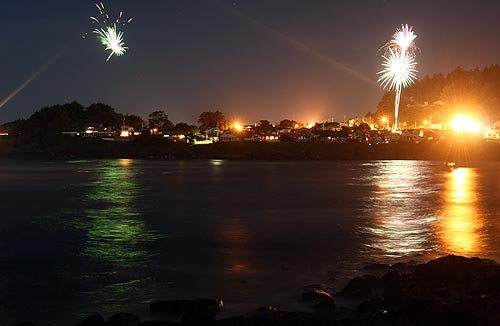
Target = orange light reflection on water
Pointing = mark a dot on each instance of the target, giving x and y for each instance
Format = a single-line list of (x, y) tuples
[(235, 235), (461, 224)]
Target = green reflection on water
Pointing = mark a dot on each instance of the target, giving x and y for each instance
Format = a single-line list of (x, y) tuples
[(116, 233)]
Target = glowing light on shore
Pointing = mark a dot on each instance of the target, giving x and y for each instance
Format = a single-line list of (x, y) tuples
[(399, 67), (310, 124), (238, 127), (385, 122), (463, 123), (110, 34)]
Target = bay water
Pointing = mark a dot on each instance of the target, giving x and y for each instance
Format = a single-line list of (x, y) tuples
[(105, 236)]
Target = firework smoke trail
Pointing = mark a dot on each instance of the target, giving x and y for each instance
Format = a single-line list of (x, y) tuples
[(109, 34), (34, 76), (295, 43), (399, 68)]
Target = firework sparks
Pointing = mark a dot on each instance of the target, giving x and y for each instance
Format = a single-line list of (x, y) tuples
[(110, 34), (404, 38), (113, 40), (399, 67), (399, 70)]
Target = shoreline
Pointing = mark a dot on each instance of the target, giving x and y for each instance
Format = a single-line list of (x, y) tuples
[(158, 149)]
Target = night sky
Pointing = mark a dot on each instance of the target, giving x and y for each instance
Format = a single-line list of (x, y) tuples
[(307, 60)]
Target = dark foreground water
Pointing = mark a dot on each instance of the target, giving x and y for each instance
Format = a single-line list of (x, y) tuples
[(81, 237)]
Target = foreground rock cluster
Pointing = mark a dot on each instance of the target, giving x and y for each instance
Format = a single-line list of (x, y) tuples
[(452, 290)]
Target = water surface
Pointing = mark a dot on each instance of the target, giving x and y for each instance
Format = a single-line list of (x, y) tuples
[(82, 237)]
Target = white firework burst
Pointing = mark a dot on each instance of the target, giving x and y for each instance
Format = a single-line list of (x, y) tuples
[(112, 39), (399, 70)]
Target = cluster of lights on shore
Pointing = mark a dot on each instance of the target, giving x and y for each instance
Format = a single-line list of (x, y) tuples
[(459, 123)]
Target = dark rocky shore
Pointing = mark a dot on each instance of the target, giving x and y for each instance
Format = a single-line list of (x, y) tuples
[(452, 290)]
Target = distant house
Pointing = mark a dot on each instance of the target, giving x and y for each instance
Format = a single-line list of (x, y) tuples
[(493, 131), (67, 133), (303, 135), (285, 131), (246, 135), (410, 136), (433, 135), (213, 134), (97, 132), (174, 136), (126, 132), (227, 136), (325, 136), (360, 135), (268, 136), (147, 132), (378, 137)]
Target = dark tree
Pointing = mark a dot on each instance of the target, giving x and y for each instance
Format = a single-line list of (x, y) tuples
[(133, 121), (327, 126), (287, 124), (344, 131), (47, 123), (210, 119), (385, 108), (56, 118), (14, 127), (185, 128), (363, 126), (264, 126), (159, 120), (103, 114)]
